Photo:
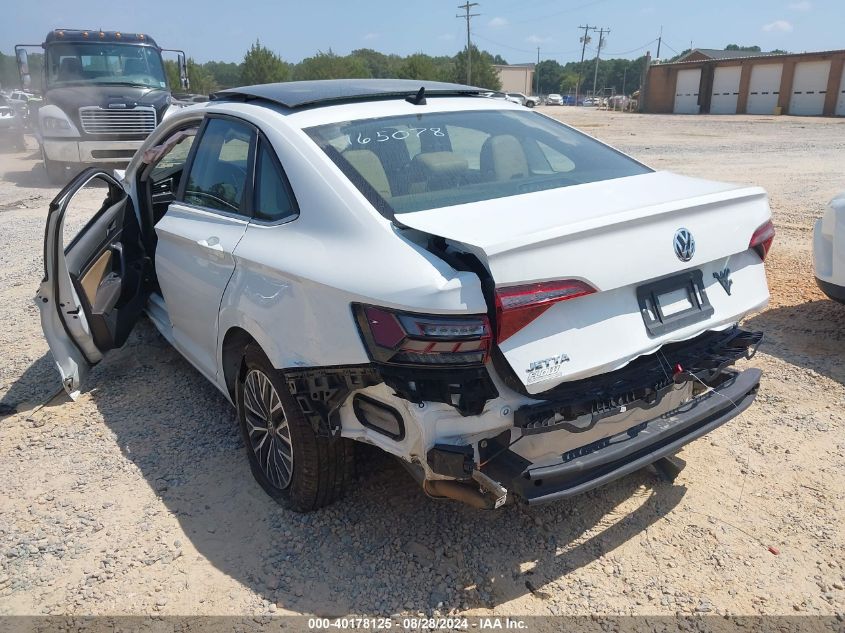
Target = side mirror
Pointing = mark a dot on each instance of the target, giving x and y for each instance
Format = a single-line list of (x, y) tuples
[(23, 67), (183, 72)]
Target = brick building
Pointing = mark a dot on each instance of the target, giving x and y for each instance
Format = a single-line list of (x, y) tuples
[(736, 82)]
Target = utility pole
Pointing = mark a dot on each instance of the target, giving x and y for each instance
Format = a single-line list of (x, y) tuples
[(602, 31), (537, 74), (659, 42), (585, 39), (467, 17)]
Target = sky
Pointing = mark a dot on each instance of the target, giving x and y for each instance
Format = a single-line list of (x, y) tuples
[(223, 30)]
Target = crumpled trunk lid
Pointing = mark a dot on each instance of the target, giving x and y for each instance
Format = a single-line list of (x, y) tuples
[(618, 236)]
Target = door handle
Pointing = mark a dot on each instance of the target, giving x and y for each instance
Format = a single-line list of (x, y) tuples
[(212, 244)]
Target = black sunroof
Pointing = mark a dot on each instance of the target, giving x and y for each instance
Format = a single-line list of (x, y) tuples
[(295, 94)]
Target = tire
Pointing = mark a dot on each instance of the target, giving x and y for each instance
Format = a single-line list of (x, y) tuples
[(56, 172), (530, 104), (298, 469)]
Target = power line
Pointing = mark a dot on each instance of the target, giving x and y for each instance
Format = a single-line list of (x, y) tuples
[(633, 50), (666, 44), (468, 16), (523, 50)]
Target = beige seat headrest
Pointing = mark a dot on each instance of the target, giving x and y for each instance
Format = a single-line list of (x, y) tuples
[(502, 158), (369, 166)]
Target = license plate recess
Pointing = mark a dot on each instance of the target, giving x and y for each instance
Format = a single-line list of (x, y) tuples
[(662, 303)]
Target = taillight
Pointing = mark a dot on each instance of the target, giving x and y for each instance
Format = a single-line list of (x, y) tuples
[(517, 306), (762, 239), (406, 338)]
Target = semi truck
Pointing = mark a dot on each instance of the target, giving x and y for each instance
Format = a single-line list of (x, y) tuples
[(104, 92)]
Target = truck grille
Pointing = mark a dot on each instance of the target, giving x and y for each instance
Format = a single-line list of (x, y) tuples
[(140, 120)]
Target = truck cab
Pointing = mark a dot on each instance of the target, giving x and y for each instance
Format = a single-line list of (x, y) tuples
[(104, 92)]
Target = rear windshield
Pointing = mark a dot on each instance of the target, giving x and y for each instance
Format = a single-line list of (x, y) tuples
[(412, 163)]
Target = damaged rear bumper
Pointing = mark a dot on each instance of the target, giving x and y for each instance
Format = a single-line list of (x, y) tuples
[(610, 458)]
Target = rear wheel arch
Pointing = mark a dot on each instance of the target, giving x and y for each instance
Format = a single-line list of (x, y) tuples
[(235, 343)]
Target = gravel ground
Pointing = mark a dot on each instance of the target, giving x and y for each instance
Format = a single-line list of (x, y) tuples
[(137, 498)]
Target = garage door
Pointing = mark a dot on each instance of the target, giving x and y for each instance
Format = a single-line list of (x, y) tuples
[(686, 91), (840, 103), (764, 88), (809, 88), (725, 90)]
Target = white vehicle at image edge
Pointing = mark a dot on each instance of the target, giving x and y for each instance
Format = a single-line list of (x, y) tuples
[(829, 249), (513, 309)]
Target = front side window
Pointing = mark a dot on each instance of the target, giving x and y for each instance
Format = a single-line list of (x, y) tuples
[(412, 163), (102, 63), (274, 199), (218, 175)]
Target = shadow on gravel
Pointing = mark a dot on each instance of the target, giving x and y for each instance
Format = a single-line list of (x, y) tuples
[(35, 178), (810, 335), (385, 548), (36, 386)]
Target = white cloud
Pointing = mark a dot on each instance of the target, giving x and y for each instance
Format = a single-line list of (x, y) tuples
[(370, 37), (647, 10), (782, 26), (446, 37), (536, 39), (497, 23), (804, 5)]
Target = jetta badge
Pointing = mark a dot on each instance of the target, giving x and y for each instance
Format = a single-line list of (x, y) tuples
[(684, 245)]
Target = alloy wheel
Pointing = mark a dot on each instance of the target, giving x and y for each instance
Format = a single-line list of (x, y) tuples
[(267, 427)]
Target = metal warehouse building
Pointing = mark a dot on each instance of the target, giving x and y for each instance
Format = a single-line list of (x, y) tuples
[(726, 82)]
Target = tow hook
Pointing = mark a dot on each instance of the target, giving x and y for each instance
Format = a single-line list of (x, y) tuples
[(493, 488), (669, 467)]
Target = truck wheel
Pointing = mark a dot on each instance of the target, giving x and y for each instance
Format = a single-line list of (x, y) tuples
[(55, 170), (296, 467), (530, 104)]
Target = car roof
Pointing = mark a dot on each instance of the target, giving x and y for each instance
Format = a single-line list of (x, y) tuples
[(296, 94)]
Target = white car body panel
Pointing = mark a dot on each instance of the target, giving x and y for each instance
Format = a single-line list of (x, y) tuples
[(194, 261), (829, 246)]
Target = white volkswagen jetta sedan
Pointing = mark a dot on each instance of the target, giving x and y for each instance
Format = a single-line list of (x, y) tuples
[(513, 309)]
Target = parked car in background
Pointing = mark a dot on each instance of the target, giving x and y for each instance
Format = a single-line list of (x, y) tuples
[(589, 102), (528, 102), (11, 125), (554, 99), (829, 249), (569, 100), (513, 309)]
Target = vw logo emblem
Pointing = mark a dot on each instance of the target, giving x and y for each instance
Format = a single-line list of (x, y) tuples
[(684, 245)]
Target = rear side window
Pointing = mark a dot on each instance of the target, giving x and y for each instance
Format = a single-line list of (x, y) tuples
[(274, 199), (404, 164), (218, 175)]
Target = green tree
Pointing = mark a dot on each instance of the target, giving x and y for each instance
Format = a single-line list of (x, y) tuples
[(202, 82), (330, 66), (422, 66), (378, 64), (551, 74), (171, 69), (226, 74), (737, 47), (263, 66), (483, 73)]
